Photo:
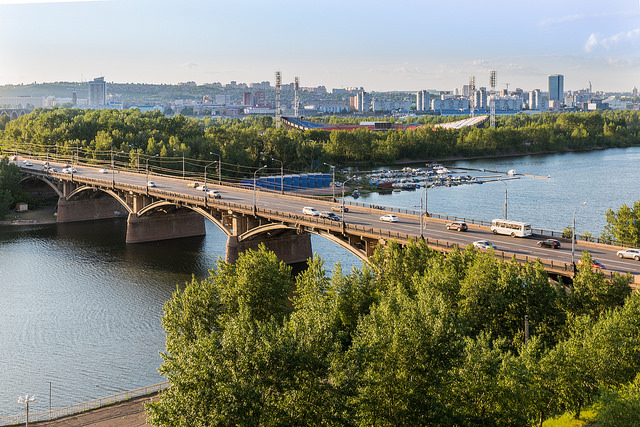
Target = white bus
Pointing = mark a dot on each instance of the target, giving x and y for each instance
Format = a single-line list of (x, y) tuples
[(511, 228)]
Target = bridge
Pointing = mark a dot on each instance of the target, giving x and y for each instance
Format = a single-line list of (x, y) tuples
[(249, 216), (14, 113)]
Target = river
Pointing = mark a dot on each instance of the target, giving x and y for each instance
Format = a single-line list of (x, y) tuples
[(80, 310)]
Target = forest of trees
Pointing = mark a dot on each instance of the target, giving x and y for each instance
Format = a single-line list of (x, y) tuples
[(416, 337), (251, 141)]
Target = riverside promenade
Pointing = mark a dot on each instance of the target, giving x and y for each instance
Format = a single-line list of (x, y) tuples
[(129, 413), (124, 409)]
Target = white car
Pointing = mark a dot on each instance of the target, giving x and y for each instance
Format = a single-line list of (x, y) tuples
[(201, 188), (104, 171), (151, 184), (27, 163), (389, 218), (214, 193), (308, 210), (484, 244), (629, 253)]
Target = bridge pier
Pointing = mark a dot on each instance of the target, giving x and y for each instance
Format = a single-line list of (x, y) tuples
[(164, 226), (89, 209), (293, 249)]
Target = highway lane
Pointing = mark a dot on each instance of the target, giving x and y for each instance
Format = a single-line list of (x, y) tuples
[(364, 217)]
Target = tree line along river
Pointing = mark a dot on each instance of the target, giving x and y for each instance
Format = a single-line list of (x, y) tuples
[(80, 309)]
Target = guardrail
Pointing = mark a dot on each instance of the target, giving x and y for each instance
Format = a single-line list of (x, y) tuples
[(84, 406)]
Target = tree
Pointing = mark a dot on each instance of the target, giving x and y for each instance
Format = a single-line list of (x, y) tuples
[(623, 225), (399, 361), (10, 190), (592, 294), (221, 332)]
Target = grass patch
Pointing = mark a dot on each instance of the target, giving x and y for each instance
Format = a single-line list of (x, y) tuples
[(587, 417)]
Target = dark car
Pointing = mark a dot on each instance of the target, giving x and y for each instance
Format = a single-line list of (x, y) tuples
[(549, 243), (457, 225), (329, 215)]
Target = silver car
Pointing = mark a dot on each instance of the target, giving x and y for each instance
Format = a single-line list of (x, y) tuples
[(629, 253)]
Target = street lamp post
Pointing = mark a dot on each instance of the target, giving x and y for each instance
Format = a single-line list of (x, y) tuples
[(505, 198), (333, 183), (281, 174), (182, 162), (255, 208), (25, 400), (573, 236), (205, 182), (147, 180), (342, 210), (113, 172), (219, 167)]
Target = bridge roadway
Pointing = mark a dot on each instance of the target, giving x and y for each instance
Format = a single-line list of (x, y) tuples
[(359, 221)]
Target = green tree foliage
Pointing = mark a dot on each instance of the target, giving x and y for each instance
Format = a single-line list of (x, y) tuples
[(10, 191), (415, 338), (623, 225), (591, 294), (620, 407)]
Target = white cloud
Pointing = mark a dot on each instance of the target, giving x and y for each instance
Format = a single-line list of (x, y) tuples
[(609, 42)]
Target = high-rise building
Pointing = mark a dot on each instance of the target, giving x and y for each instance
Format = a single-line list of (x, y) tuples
[(97, 92), (422, 100), (556, 87), (535, 100)]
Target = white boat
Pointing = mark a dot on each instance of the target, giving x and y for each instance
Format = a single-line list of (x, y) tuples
[(511, 172)]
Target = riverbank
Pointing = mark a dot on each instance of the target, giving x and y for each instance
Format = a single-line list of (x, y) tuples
[(43, 215)]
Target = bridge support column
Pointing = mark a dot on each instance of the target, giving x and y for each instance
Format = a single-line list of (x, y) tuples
[(294, 249), (89, 209), (163, 227)]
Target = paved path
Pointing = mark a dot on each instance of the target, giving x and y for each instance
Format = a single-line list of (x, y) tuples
[(125, 414)]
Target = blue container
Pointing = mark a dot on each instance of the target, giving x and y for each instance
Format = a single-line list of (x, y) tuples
[(295, 182), (273, 183), (288, 183), (247, 182), (262, 182), (303, 181), (326, 180)]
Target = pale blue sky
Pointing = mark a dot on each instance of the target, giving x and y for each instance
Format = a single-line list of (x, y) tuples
[(379, 45)]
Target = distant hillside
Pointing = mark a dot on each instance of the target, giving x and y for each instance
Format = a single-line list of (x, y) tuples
[(130, 92)]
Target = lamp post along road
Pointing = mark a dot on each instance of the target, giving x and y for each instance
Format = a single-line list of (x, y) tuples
[(182, 161), (281, 174), (342, 210), (25, 400), (573, 236), (147, 179), (333, 180), (219, 166), (205, 182), (255, 208), (505, 198)]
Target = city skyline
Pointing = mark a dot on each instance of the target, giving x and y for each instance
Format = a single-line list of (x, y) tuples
[(409, 46)]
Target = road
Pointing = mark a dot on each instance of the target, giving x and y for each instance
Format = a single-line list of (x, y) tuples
[(362, 216)]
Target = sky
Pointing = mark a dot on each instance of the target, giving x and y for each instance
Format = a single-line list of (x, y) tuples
[(403, 45)]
